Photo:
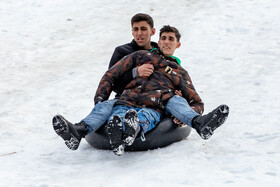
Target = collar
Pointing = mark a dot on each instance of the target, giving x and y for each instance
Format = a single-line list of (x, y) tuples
[(170, 57), (176, 59)]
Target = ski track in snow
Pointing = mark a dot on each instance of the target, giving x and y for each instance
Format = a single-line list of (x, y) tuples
[(53, 54)]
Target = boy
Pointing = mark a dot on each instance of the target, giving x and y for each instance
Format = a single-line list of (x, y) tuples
[(141, 105)]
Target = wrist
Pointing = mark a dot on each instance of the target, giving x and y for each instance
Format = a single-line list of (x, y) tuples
[(135, 72)]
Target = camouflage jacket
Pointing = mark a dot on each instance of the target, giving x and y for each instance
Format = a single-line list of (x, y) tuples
[(154, 91), (119, 53)]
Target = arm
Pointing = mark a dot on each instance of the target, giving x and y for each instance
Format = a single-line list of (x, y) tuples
[(111, 78), (127, 77), (144, 70), (189, 93)]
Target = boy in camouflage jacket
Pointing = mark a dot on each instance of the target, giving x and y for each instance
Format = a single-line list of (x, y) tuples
[(144, 100)]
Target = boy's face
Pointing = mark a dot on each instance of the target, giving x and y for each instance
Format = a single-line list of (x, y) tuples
[(142, 32), (168, 43)]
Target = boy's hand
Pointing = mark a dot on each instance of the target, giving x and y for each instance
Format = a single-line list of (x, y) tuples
[(178, 122), (145, 70), (178, 92)]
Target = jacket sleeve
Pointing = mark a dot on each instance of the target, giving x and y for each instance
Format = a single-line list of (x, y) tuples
[(190, 93), (126, 78), (111, 78)]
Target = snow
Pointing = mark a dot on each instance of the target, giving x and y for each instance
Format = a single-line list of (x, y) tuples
[(53, 54)]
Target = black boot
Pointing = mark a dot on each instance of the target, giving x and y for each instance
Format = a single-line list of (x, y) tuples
[(132, 128), (71, 134), (206, 124), (115, 133)]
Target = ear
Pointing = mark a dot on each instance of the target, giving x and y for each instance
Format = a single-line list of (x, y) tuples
[(178, 45), (153, 31)]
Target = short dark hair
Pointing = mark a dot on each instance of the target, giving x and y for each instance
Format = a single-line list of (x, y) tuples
[(142, 17), (168, 28)]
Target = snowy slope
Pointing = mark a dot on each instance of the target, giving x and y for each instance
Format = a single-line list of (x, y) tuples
[(53, 54)]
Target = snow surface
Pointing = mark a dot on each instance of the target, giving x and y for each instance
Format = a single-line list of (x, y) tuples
[(53, 54)]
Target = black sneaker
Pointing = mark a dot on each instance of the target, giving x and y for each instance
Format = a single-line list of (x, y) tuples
[(132, 128), (115, 132), (206, 124), (71, 134)]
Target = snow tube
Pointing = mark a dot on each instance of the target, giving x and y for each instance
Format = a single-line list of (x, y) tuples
[(164, 134)]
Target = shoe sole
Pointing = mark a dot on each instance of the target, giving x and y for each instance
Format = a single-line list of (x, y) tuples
[(115, 132), (62, 129), (219, 117), (131, 124)]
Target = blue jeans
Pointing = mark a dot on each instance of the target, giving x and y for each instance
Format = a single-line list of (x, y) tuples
[(148, 118), (176, 106), (99, 114), (180, 108)]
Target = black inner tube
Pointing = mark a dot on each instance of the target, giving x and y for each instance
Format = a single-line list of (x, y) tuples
[(164, 134)]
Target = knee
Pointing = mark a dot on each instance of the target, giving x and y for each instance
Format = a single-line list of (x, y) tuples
[(178, 100)]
